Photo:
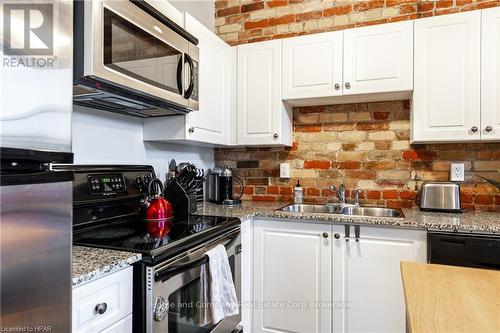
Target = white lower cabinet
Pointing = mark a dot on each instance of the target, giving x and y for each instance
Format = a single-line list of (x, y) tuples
[(246, 273), (312, 278), (104, 305)]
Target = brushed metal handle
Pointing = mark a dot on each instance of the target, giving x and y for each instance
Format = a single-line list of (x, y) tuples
[(191, 130), (488, 129), (325, 235), (337, 235), (474, 129), (101, 308), (348, 85), (337, 86), (275, 135)]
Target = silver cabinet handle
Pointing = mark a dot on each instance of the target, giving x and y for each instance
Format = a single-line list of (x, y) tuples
[(337, 86), (474, 129), (325, 235), (191, 130), (101, 308), (275, 135), (488, 129), (347, 85)]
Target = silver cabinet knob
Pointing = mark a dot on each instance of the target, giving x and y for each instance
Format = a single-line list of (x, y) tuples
[(275, 135), (347, 85), (325, 235), (101, 308), (337, 86), (474, 129), (488, 129), (191, 130), (337, 235)]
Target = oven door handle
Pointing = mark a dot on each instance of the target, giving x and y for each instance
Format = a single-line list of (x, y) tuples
[(164, 275)]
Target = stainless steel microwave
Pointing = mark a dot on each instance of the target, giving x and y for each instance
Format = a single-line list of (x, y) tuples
[(131, 59)]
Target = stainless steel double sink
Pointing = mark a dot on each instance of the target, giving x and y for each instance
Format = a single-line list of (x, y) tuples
[(344, 209)]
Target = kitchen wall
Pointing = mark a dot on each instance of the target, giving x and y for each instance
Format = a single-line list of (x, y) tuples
[(363, 146), (103, 137), (244, 21), (202, 10)]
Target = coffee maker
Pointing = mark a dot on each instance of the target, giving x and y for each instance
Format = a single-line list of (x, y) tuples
[(220, 186)]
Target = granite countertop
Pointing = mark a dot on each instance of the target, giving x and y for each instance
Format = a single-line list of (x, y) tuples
[(91, 263), (480, 222)]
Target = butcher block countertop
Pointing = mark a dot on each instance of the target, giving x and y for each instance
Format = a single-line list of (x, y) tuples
[(442, 298)]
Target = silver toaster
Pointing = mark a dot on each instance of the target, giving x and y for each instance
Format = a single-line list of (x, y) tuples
[(440, 196)]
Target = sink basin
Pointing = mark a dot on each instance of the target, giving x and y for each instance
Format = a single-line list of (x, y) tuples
[(310, 208), (372, 211)]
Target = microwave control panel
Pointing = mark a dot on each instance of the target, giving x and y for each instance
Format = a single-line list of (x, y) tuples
[(106, 183)]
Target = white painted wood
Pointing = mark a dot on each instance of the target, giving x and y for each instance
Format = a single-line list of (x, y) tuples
[(490, 73), (378, 58), (346, 99), (367, 278), (122, 326), (312, 65), (246, 273), (446, 97), (114, 289), (261, 113), (292, 267)]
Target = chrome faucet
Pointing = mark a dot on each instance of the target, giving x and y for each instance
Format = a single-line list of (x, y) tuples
[(356, 197), (340, 193)]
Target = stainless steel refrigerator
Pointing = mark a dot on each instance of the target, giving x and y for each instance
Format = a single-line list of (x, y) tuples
[(35, 131)]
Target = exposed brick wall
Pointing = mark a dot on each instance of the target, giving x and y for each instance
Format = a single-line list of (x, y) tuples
[(366, 146), (243, 21)]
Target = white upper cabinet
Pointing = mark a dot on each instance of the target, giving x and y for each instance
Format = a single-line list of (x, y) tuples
[(490, 74), (212, 123), (378, 59), (292, 277), (262, 118), (367, 277), (312, 66), (446, 97)]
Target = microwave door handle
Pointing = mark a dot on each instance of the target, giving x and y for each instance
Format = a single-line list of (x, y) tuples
[(179, 77), (189, 90)]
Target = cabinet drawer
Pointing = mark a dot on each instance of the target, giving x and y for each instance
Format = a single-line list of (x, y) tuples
[(114, 290), (123, 326)]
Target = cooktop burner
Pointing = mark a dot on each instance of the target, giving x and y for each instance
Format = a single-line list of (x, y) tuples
[(130, 234)]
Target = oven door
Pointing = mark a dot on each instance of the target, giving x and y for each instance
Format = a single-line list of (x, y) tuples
[(129, 48), (175, 296)]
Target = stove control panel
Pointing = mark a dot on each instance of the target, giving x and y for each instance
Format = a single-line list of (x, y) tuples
[(106, 183)]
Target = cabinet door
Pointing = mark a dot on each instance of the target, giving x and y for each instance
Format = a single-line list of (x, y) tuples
[(312, 66), (490, 74), (292, 277), (367, 277), (446, 96), (260, 108), (378, 59), (211, 124), (246, 273)]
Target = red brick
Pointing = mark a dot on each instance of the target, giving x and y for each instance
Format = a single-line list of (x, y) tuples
[(483, 199), (307, 128), (361, 174), (408, 195), (316, 164), (248, 189), (308, 16), (220, 4), (463, 2), (310, 109), (374, 195), (337, 10), (257, 181), (497, 200), (407, 9), (372, 126), (266, 198), (286, 190), (390, 194), (282, 20), (312, 191), (349, 146), (404, 17), (444, 3), (366, 5), (419, 155), (277, 3), (466, 197), (381, 115), (390, 3), (347, 165), (273, 190), (257, 24), (228, 11), (425, 6), (252, 6), (374, 22), (488, 4)]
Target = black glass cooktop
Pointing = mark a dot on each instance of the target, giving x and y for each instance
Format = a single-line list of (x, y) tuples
[(130, 235)]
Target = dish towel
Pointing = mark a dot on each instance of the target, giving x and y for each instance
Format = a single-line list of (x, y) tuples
[(217, 291)]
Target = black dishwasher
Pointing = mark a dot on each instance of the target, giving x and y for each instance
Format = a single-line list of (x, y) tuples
[(464, 249)]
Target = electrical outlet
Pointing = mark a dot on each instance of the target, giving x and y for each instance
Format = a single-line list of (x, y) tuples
[(285, 170), (457, 172)]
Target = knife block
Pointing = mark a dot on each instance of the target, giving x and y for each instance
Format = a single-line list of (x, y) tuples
[(183, 203)]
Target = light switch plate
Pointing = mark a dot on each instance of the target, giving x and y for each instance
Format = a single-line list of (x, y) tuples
[(457, 172), (284, 170)]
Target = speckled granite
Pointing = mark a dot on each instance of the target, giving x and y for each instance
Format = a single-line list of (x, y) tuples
[(481, 222), (91, 263)]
